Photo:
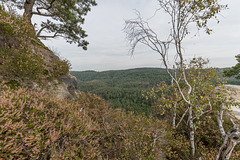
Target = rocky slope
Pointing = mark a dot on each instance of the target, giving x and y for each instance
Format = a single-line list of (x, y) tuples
[(26, 62)]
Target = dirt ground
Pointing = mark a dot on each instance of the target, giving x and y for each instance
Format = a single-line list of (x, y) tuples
[(236, 95)]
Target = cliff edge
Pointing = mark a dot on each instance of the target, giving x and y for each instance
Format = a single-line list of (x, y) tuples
[(26, 62)]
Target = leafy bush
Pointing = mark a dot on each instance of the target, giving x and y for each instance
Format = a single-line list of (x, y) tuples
[(208, 141), (19, 63), (205, 100)]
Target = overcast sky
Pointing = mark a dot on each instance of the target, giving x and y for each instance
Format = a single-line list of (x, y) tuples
[(108, 49)]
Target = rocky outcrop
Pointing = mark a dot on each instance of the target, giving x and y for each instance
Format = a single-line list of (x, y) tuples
[(60, 83), (65, 87), (71, 83)]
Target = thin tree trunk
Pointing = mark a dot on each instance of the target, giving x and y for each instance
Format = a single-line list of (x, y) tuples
[(191, 127), (175, 103), (220, 122), (231, 139), (28, 9), (174, 116)]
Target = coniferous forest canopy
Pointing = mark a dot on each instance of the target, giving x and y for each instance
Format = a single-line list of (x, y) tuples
[(124, 88)]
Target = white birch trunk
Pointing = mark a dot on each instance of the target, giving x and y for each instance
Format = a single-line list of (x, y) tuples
[(191, 127), (231, 139), (174, 116), (220, 123)]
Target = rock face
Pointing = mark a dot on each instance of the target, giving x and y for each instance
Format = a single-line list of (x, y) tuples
[(71, 83), (64, 85), (67, 88)]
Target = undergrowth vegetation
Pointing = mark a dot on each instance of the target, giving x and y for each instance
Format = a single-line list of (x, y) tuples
[(34, 125), (20, 54), (208, 142), (208, 98)]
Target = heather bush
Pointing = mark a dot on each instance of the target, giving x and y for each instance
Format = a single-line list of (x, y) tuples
[(38, 126), (129, 136), (60, 67), (35, 125), (14, 25), (178, 149), (125, 135)]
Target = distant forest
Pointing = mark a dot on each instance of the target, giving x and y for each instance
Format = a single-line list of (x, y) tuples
[(124, 88)]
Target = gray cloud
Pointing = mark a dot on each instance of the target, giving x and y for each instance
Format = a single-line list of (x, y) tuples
[(108, 49)]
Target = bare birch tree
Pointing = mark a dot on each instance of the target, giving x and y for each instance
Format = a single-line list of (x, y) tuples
[(182, 13)]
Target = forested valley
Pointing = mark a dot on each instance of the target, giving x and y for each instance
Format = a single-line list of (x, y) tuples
[(124, 88), (182, 112)]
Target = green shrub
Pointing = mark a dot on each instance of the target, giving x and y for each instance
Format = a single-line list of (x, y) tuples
[(20, 63), (19, 57), (15, 26), (60, 67), (208, 141)]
